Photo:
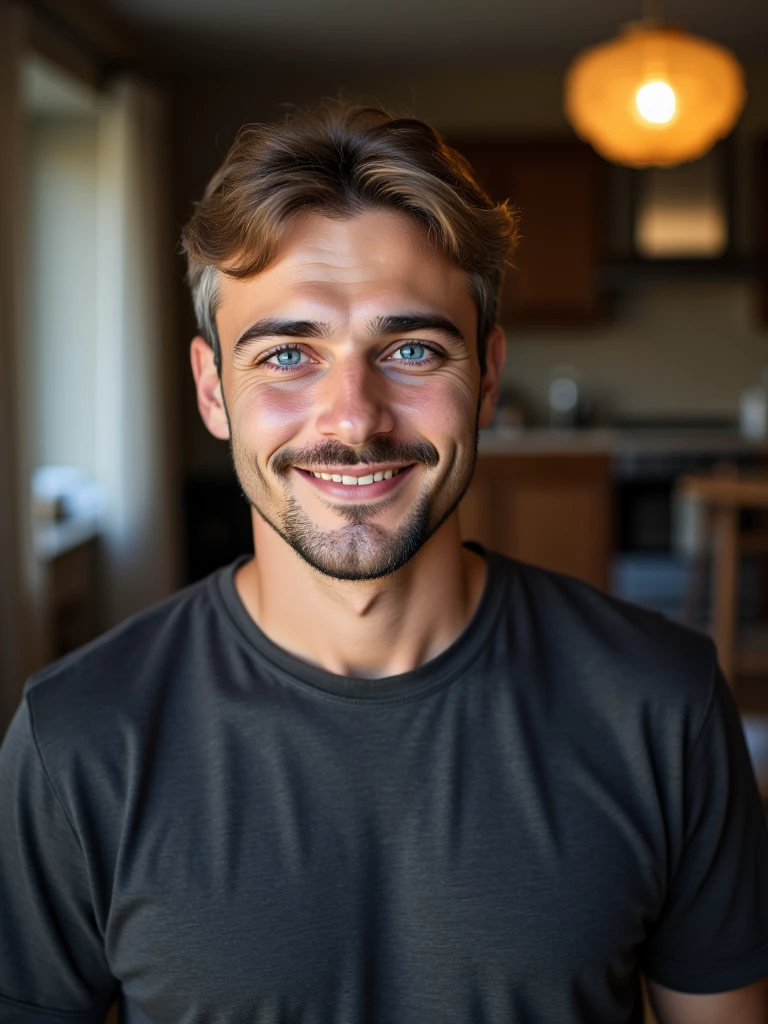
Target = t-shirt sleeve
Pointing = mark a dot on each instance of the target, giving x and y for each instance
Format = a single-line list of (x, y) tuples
[(53, 966), (712, 933)]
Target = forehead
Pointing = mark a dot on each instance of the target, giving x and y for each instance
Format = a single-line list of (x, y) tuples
[(338, 270)]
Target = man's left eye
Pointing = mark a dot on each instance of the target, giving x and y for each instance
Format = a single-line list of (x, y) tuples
[(411, 353)]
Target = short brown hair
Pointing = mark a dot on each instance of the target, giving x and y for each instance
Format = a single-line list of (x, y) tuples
[(341, 159)]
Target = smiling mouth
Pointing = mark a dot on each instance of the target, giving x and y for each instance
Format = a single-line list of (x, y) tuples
[(350, 480), (355, 480)]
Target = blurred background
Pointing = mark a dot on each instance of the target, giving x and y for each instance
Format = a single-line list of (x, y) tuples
[(636, 319)]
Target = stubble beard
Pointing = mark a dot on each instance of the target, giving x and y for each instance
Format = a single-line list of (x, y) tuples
[(361, 549)]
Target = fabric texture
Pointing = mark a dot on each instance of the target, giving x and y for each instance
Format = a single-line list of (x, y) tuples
[(509, 834)]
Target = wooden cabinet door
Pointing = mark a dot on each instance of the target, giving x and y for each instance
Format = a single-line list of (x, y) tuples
[(558, 188), (555, 511)]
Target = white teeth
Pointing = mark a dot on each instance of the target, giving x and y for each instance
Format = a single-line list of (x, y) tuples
[(355, 481)]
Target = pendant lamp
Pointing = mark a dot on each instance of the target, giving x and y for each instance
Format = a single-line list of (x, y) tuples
[(654, 96)]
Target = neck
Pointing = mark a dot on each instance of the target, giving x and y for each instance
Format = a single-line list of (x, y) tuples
[(372, 628)]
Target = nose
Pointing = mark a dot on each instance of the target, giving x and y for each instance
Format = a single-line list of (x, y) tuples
[(352, 403)]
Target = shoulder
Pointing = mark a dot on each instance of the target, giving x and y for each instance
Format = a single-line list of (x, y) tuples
[(122, 673), (611, 649)]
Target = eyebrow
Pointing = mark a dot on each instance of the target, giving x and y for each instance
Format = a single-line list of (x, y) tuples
[(404, 323), (271, 328), (400, 323)]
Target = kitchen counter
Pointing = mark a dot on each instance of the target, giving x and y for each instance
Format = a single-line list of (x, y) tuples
[(602, 504)]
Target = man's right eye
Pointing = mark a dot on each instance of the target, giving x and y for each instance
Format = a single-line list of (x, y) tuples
[(287, 357)]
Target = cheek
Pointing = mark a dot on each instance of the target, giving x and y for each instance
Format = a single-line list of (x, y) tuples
[(268, 416), (442, 407)]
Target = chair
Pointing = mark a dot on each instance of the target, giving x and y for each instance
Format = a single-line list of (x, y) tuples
[(723, 496)]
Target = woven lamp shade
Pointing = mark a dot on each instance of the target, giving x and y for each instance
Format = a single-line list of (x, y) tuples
[(654, 96)]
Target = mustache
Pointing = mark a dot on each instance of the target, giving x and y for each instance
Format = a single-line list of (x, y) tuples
[(378, 449)]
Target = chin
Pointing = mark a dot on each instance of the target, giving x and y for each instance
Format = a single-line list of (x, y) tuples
[(359, 550), (359, 553)]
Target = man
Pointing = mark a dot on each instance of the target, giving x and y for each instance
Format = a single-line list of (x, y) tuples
[(371, 775)]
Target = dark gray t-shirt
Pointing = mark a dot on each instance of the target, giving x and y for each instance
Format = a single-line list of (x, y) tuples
[(506, 835)]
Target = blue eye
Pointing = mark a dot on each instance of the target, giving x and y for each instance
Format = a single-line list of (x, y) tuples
[(412, 353), (288, 357)]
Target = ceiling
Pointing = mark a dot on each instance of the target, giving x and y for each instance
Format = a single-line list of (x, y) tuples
[(416, 32)]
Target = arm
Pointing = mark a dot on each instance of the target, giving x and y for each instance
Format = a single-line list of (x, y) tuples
[(53, 964), (705, 957), (748, 1005)]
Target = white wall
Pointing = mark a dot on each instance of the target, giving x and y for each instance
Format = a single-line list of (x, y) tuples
[(62, 162)]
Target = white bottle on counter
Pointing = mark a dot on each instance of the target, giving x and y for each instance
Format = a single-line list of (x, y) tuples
[(564, 398), (753, 409)]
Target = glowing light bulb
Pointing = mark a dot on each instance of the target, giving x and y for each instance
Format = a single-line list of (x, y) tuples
[(655, 102), (654, 96)]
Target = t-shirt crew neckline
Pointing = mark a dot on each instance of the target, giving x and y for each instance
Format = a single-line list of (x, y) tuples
[(432, 675)]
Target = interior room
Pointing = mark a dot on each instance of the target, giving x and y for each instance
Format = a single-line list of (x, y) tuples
[(630, 444)]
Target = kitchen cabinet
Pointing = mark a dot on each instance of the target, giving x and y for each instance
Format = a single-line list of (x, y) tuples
[(554, 510), (558, 185)]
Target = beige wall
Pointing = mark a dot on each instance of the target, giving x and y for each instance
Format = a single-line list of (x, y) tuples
[(669, 348)]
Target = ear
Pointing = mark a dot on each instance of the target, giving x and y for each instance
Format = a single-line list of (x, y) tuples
[(495, 354), (208, 385)]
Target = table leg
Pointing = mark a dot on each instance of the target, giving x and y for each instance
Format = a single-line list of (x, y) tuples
[(725, 588)]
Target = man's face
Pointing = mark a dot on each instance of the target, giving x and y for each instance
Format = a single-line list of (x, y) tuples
[(353, 391)]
